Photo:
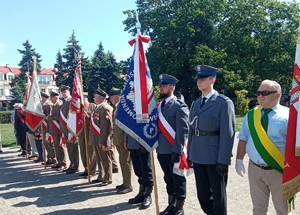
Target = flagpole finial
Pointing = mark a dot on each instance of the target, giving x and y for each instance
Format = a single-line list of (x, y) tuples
[(138, 24)]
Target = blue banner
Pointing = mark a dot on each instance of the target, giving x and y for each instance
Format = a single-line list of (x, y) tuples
[(145, 133)]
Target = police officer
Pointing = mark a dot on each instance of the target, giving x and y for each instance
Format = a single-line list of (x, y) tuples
[(140, 158), (174, 115), (211, 137)]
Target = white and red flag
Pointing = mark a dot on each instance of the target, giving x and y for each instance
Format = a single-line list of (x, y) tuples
[(140, 78), (75, 120), (291, 171), (27, 89), (34, 107)]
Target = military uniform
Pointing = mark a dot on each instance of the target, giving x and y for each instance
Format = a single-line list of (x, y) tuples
[(102, 117), (82, 146), (47, 106), (175, 112), (124, 155), (54, 117), (211, 137)]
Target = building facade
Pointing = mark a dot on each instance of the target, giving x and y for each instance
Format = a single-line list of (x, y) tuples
[(46, 79)]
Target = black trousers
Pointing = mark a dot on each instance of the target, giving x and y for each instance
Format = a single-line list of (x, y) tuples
[(21, 138), (142, 166), (176, 184), (211, 189)]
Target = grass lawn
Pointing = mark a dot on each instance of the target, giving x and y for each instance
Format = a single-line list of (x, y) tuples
[(7, 135)]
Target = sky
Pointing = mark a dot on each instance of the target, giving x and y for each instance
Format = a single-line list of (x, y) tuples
[(48, 25)]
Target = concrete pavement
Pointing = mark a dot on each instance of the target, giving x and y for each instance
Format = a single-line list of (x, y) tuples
[(25, 188)]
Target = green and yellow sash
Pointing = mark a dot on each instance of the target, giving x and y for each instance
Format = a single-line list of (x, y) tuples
[(265, 147)]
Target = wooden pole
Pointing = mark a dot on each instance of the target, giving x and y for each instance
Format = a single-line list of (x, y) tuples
[(84, 124), (154, 182)]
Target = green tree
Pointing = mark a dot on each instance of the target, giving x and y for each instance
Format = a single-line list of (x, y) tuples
[(104, 71), (59, 69), (18, 84)]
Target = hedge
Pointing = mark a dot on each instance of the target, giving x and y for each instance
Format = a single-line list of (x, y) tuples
[(5, 116)]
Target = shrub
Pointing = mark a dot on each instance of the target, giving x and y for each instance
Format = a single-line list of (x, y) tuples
[(5, 117), (241, 102)]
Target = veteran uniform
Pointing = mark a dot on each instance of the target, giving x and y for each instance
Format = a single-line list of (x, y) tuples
[(88, 108), (175, 113), (119, 142), (48, 142), (54, 130), (211, 137), (102, 142), (71, 142)]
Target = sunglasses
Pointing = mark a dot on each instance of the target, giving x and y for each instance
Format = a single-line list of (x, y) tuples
[(265, 92)]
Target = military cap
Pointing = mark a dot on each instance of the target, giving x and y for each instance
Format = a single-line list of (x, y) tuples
[(44, 95), (63, 88), (101, 93), (204, 71), (53, 93), (115, 91), (167, 79)]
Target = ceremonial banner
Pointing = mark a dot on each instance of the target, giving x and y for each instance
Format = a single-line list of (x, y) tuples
[(75, 120), (27, 90), (34, 107), (291, 171), (137, 112)]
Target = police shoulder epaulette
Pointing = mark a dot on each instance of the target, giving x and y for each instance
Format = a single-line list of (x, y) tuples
[(223, 97)]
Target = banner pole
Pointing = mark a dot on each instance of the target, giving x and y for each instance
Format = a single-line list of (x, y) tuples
[(154, 182)]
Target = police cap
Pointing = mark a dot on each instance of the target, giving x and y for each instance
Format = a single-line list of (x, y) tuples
[(167, 79), (204, 71)]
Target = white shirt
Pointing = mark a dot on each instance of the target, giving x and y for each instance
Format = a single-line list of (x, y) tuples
[(277, 129)]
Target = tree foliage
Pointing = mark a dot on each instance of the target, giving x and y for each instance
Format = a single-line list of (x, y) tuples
[(248, 40), (18, 84)]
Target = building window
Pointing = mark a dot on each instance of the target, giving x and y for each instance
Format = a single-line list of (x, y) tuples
[(10, 77), (44, 79)]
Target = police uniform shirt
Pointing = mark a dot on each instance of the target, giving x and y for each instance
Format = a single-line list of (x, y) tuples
[(277, 129), (209, 95), (168, 99)]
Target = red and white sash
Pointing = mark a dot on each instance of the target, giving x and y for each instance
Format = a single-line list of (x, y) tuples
[(62, 118), (180, 168), (95, 127)]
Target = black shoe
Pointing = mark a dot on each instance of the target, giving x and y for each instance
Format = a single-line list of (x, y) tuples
[(96, 181), (115, 170), (105, 183), (84, 174), (121, 186), (22, 154), (72, 171), (146, 203), (169, 210), (139, 198), (56, 166), (67, 169), (124, 190)]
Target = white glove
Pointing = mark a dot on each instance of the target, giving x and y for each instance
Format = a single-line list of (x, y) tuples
[(239, 167), (47, 136)]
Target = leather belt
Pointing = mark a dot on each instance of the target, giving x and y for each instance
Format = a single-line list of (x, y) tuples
[(198, 132), (264, 167)]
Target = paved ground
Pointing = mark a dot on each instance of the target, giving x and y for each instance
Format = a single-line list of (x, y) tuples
[(25, 188)]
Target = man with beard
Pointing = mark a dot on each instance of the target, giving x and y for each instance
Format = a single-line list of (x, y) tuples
[(173, 115)]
